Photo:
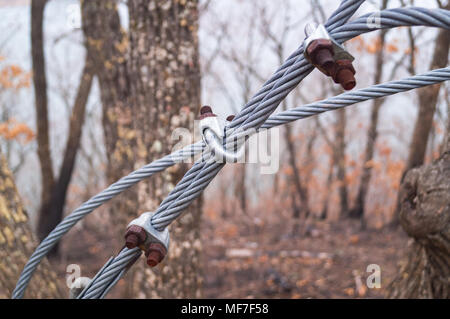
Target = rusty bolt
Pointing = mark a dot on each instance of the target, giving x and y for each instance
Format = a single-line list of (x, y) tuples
[(345, 74), (230, 118), (135, 236), (321, 53), (206, 111), (155, 254)]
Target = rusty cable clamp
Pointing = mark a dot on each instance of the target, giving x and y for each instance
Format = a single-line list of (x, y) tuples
[(214, 134), (141, 233), (330, 57)]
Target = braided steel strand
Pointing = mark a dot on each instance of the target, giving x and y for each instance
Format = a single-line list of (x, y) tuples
[(330, 104), (116, 268), (271, 101), (349, 98), (89, 206), (388, 19), (441, 18), (408, 16), (113, 190), (342, 14), (181, 199), (349, 7)]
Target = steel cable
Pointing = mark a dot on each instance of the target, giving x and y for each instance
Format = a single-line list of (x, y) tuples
[(253, 115)]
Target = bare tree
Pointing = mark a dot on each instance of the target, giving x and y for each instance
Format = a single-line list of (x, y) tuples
[(54, 189), (300, 198), (245, 75), (337, 168), (51, 212), (40, 95)]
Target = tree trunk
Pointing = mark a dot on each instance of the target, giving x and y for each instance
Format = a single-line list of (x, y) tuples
[(166, 96), (40, 96), (324, 213), (425, 216), (340, 160), (150, 85), (53, 193), (240, 189), (51, 212), (300, 198), (17, 244), (372, 133), (428, 97)]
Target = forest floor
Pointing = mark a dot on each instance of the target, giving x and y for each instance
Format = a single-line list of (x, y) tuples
[(329, 260)]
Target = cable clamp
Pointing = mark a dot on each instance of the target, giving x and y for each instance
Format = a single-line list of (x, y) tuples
[(327, 55), (213, 134), (141, 233)]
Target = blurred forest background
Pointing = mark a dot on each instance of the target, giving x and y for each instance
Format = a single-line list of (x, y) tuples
[(91, 90)]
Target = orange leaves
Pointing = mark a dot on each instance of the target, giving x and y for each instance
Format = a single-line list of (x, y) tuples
[(349, 292), (373, 164), (358, 43), (230, 231), (12, 130), (14, 77), (390, 47), (384, 150), (408, 50), (302, 282), (374, 45), (354, 239), (288, 170)]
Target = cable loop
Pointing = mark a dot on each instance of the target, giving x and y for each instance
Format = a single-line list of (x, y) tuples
[(254, 115), (215, 145)]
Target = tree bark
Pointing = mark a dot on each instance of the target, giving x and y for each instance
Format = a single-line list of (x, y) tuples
[(425, 216), (17, 244), (150, 85), (166, 96), (428, 97)]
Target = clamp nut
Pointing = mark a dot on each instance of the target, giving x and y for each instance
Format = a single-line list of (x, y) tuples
[(135, 236), (209, 120), (345, 74), (321, 53), (155, 254), (141, 233), (206, 111)]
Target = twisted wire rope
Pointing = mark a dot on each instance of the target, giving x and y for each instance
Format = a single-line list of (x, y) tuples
[(254, 115)]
